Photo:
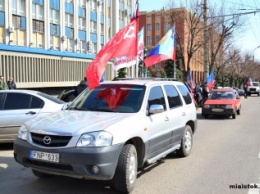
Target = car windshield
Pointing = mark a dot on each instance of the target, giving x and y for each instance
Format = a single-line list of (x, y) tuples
[(255, 84), (222, 95), (110, 98)]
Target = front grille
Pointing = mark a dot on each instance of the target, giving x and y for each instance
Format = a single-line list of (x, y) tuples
[(252, 89), (217, 106), (56, 141), (48, 165)]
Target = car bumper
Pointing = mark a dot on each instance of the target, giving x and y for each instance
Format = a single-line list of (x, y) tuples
[(214, 111), (74, 162)]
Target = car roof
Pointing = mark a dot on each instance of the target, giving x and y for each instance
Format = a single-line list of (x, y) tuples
[(224, 90), (20, 91), (143, 81)]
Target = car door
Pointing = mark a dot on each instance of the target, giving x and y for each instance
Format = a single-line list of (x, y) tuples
[(17, 108), (176, 113), (158, 129)]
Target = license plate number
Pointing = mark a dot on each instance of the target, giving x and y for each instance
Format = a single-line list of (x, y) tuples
[(50, 157), (217, 110)]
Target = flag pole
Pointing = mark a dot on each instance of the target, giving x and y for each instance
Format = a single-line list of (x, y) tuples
[(137, 23)]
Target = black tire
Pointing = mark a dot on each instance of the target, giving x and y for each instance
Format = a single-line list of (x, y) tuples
[(40, 174), (124, 179), (186, 142), (234, 115), (238, 111)]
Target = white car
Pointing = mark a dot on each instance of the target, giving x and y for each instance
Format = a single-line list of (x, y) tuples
[(111, 131), (19, 106)]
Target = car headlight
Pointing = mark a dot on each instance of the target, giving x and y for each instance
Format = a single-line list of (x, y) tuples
[(95, 139), (229, 106), (206, 106), (22, 134)]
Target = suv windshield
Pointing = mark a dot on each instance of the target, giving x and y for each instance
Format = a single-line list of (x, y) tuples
[(111, 98), (255, 84)]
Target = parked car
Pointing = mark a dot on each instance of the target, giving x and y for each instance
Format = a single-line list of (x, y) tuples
[(109, 132), (239, 91), (19, 106), (223, 101)]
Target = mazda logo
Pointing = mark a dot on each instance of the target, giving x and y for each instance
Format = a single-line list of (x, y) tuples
[(47, 140)]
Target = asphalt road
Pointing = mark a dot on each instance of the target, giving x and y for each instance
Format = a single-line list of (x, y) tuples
[(225, 152)]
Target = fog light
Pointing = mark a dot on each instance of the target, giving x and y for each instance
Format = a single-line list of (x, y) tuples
[(95, 169)]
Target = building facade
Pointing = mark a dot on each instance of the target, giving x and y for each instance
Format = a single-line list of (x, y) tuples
[(50, 43), (156, 25)]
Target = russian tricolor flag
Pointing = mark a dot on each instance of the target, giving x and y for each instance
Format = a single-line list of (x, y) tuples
[(249, 81), (210, 80)]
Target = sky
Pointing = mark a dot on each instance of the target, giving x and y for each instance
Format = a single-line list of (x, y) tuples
[(248, 41)]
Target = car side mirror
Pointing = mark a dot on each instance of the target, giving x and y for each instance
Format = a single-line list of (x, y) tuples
[(156, 108)]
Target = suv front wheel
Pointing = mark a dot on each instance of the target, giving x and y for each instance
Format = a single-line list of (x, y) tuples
[(186, 142), (126, 172)]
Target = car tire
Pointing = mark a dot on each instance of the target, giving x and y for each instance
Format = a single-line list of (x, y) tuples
[(126, 172), (186, 142), (238, 111), (234, 115), (40, 174)]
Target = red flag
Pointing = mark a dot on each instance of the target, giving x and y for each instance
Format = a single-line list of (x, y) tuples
[(124, 43), (114, 96)]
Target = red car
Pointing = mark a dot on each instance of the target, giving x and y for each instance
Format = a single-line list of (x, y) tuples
[(223, 101)]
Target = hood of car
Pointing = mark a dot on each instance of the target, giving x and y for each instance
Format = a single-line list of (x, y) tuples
[(220, 101), (74, 122)]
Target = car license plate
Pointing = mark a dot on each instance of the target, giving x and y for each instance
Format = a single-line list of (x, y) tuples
[(217, 110), (50, 157)]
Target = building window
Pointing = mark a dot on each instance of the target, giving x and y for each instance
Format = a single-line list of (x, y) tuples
[(149, 40), (157, 38), (92, 5), (82, 3), (38, 26), (54, 16), (149, 27), (102, 28), (82, 46), (82, 20), (18, 7), (37, 11), (158, 26), (2, 5), (16, 20), (68, 20), (167, 26), (93, 26)]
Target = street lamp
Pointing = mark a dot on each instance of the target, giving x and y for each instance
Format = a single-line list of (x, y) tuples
[(254, 53)]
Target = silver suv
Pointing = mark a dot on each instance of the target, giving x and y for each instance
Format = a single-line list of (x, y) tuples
[(110, 132), (254, 89)]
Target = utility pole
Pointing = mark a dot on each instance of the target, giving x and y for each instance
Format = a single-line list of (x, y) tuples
[(205, 35)]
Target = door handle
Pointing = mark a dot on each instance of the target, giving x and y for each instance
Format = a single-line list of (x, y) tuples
[(183, 114), (166, 119), (30, 113)]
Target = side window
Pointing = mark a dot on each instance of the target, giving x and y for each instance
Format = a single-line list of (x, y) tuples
[(156, 97), (37, 102), (17, 101), (1, 100), (173, 96), (185, 94)]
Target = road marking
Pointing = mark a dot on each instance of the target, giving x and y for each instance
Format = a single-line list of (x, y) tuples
[(3, 165)]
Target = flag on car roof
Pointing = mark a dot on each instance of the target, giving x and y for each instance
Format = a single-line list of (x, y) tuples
[(164, 50), (124, 43), (210, 80), (249, 81)]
